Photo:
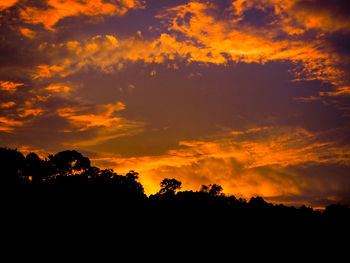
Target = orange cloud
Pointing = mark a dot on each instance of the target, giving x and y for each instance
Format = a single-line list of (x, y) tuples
[(6, 4), (300, 15), (306, 99), (106, 53), (46, 71), (24, 112), (216, 41), (8, 124), (87, 121), (206, 38), (209, 39), (341, 91), (102, 120), (58, 88), (9, 86), (27, 32), (30, 112), (59, 9), (244, 166), (25, 149), (329, 16), (6, 105)]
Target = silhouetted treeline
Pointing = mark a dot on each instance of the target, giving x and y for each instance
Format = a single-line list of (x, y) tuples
[(67, 178)]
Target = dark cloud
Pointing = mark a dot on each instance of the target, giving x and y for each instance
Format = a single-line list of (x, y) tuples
[(321, 184), (338, 9), (339, 42), (259, 18), (330, 16)]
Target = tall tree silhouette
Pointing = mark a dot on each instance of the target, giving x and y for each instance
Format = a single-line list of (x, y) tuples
[(34, 168), (68, 163), (168, 189), (11, 165), (169, 186), (108, 182)]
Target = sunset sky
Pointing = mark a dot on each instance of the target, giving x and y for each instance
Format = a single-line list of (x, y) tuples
[(253, 95)]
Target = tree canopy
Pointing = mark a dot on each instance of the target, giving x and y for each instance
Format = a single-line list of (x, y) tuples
[(70, 175)]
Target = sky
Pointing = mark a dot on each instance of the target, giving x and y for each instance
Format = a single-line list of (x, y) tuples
[(253, 95)]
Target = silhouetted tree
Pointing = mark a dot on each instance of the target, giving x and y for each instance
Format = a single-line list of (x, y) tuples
[(242, 200), (337, 210), (212, 189), (68, 163), (109, 182), (169, 186), (11, 165), (204, 188), (258, 203), (305, 211), (131, 185), (132, 175), (97, 176), (34, 168)]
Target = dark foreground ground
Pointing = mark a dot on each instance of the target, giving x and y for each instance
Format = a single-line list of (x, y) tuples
[(94, 202), (87, 221)]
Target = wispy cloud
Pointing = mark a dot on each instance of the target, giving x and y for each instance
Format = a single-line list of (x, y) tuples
[(10, 86), (8, 124), (56, 10), (7, 3), (196, 33), (102, 120), (86, 121), (249, 166)]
